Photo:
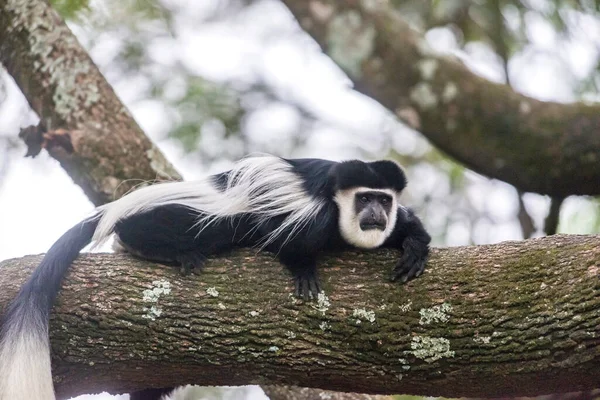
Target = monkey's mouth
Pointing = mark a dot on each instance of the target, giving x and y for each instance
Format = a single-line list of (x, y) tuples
[(372, 226)]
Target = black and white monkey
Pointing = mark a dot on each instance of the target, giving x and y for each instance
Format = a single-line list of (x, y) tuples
[(295, 208)]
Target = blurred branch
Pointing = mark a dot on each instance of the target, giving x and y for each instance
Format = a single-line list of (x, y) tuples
[(537, 146), (511, 319), (70, 95), (553, 217), (525, 220)]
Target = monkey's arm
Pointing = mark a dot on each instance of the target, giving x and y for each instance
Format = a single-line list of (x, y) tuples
[(411, 237)]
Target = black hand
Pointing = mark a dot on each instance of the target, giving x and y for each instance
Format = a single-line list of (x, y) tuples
[(307, 286), (407, 268), (191, 262)]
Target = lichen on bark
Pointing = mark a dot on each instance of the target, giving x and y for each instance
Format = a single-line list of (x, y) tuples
[(66, 90)]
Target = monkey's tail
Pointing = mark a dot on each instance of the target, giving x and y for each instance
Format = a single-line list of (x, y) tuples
[(24, 345)]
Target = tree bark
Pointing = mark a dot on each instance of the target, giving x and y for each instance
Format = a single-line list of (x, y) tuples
[(542, 147), (282, 392), (516, 318), (84, 125)]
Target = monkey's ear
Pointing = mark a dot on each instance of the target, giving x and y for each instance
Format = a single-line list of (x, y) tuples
[(391, 173)]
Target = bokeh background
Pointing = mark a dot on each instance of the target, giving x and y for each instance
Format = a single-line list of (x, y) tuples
[(211, 81)]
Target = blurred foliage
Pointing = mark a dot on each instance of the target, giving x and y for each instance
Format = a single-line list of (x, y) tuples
[(69, 9), (137, 45), (505, 25), (200, 103)]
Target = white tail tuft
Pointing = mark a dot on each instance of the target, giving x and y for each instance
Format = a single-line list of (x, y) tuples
[(25, 361)]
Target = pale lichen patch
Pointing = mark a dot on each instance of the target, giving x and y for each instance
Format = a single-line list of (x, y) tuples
[(435, 314), (323, 303), (324, 326), (159, 288), (450, 92), (66, 69), (406, 306), (427, 68), (430, 349), (212, 291), (159, 163), (361, 313), (423, 96), (350, 40), (524, 107), (152, 313), (482, 339)]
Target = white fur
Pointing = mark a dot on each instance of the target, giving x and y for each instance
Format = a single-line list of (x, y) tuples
[(349, 222), (191, 392), (264, 185), (25, 363)]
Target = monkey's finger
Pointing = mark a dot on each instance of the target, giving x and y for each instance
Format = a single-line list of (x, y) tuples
[(305, 289), (314, 287), (413, 272), (403, 271)]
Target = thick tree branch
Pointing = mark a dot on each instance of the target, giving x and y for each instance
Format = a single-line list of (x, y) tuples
[(537, 146), (90, 130), (282, 392), (517, 318)]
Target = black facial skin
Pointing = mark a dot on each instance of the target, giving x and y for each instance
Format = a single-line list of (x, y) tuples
[(373, 209)]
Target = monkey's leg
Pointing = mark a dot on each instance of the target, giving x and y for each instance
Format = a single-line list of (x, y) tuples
[(304, 270), (192, 261), (149, 394)]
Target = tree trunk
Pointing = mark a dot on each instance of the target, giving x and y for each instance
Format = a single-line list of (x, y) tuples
[(537, 146), (83, 123), (516, 318)]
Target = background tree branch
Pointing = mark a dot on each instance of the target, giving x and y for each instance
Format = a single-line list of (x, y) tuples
[(518, 318), (544, 147), (84, 125)]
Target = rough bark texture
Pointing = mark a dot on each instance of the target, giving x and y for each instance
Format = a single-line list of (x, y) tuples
[(537, 146), (90, 130), (297, 393), (517, 318)]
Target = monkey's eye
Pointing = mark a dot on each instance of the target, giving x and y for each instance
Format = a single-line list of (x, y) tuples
[(364, 199), (384, 201)]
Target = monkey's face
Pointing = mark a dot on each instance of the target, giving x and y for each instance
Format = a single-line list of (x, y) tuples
[(367, 216), (372, 209)]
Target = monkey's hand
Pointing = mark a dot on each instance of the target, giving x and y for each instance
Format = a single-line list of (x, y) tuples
[(191, 262), (407, 269), (307, 285), (412, 262)]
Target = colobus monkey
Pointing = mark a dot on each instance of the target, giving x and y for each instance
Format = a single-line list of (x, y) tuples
[(295, 208)]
